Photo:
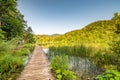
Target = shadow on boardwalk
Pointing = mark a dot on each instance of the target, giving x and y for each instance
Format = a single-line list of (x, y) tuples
[(37, 67)]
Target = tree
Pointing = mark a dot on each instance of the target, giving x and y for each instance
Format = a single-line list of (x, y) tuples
[(115, 47), (28, 35), (118, 28), (7, 7), (11, 20)]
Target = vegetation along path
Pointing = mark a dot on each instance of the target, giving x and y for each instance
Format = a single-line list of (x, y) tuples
[(37, 67)]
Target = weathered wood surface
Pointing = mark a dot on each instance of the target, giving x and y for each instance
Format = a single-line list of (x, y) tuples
[(37, 67)]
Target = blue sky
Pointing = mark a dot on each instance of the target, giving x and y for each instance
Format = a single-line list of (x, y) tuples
[(61, 16)]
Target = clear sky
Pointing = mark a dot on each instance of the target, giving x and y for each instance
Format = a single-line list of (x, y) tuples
[(61, 16)]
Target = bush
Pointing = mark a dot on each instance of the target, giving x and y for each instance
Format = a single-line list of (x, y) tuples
[(3, 46), (59, 66), (29, 46), (8, 65), (23, 52), (109, 75), (8, 46)]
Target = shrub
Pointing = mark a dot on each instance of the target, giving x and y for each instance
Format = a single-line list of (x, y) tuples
[(29, 46), (8, 65), (109, 75), (23, 52), (59, 66)]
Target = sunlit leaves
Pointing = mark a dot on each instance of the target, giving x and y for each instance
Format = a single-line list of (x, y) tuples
[(59, 65)]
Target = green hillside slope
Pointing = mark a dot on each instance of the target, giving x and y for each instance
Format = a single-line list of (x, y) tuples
[(96, 34)]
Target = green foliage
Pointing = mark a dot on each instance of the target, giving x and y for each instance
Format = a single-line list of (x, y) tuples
[(81, 50), (109, 75), (115, 47), (118, 28), (1, 34), (96, 34), (93, 41), (103, 59), (28, 35), (12, 58), (9, 64), (23, 52), (12, 22), (59, 65), (29, 46), (115, 44), (11, 19), (14, 33), (113, 56), (6, 46)]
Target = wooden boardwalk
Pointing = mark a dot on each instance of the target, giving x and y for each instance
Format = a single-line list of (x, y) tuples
[(37, 67)]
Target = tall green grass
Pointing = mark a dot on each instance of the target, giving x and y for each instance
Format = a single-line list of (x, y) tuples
[(102, 58), (80, 51), (60, 67)]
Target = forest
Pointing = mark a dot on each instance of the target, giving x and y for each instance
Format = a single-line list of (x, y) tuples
[(92, 52), (16, 40)]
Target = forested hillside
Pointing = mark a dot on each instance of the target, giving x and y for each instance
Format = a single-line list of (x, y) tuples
[(97, 34)]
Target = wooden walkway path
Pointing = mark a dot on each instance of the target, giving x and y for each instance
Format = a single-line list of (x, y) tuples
[(37, 67)]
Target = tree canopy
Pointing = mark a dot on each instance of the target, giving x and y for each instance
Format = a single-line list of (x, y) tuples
[(12, 22)]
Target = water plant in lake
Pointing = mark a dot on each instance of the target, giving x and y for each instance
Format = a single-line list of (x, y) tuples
[(60, 67), (78, 58), (85, 60)]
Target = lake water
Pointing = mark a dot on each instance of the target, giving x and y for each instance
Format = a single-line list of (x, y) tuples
[(81, 66)]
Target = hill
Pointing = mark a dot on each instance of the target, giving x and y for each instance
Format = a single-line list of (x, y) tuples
[(98, 33)]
